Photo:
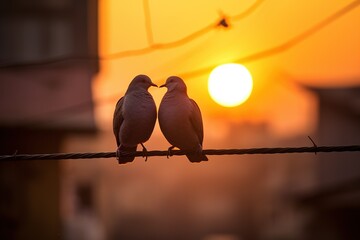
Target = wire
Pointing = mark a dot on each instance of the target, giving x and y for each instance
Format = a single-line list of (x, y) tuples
[(141, 51), (148, 27), (189, 74), (249, 58), (247, 12), (282, 150), (292, 42)]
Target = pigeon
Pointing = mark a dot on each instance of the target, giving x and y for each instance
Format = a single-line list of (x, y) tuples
[(180, 120), (134, 118)]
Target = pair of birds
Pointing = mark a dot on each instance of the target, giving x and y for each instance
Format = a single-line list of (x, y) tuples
[(179, 118)]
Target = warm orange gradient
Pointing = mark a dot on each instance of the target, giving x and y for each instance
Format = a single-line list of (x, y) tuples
[(227, 194), (330, 57)]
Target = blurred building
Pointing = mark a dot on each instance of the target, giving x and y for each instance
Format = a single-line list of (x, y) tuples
[(318, 196), (47, 63), (334, 201)]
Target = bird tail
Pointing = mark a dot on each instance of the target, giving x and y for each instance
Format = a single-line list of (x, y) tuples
[(124, 149), (197, 157)]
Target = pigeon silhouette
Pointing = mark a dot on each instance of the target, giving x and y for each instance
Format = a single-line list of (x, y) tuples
[(180, 120), (134, 117)]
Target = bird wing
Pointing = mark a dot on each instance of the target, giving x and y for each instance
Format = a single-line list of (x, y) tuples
[(196, 121), (118, 119)]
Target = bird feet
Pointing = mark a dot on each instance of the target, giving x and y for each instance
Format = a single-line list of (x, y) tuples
[(169, 152), (144, 151), (118, 153)]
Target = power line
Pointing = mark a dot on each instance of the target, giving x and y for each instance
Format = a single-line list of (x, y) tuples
[(292, 42), (247, 12), (189, 74), (245, 59), (148, 27), (252, 151), (141, 51)]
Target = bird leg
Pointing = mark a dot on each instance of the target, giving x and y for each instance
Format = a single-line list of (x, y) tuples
[(199, 151), (169, 151), (118, 153), (144, 152)]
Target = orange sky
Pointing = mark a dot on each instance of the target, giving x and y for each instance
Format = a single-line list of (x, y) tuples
[(226, 187), (330, 57)]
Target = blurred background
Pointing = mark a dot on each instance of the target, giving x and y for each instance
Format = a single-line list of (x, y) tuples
[(65, 63)]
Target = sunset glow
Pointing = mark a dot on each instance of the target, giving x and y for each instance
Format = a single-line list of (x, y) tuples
[(228, 153), (313, 62), (230, 84)]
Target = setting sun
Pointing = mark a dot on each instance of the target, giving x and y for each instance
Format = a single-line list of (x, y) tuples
[(230, 84)]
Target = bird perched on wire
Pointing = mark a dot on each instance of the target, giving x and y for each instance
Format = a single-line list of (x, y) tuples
[(134, 117), (180, 120)]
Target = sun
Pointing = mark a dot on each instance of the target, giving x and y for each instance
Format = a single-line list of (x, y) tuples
[(230, 84)]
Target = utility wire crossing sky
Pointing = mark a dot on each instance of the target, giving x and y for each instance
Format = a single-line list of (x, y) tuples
[(286, 45), (282, 150)]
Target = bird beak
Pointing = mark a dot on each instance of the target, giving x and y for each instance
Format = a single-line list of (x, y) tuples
[(164, 85), (153, 84)]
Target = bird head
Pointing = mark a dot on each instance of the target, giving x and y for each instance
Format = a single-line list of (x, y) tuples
[(141, 82), (175, 83)]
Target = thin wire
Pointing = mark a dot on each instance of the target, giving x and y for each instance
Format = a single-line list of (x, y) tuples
[(281, 150), (141, 51), (249, 58), (189, 74), (149, 33), (51, 61), (247, 12), (50, 117), (283, 46), (161, 46)]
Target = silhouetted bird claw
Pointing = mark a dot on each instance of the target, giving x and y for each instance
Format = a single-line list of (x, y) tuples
[(170, 154), (118, 153), (144, 152)]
